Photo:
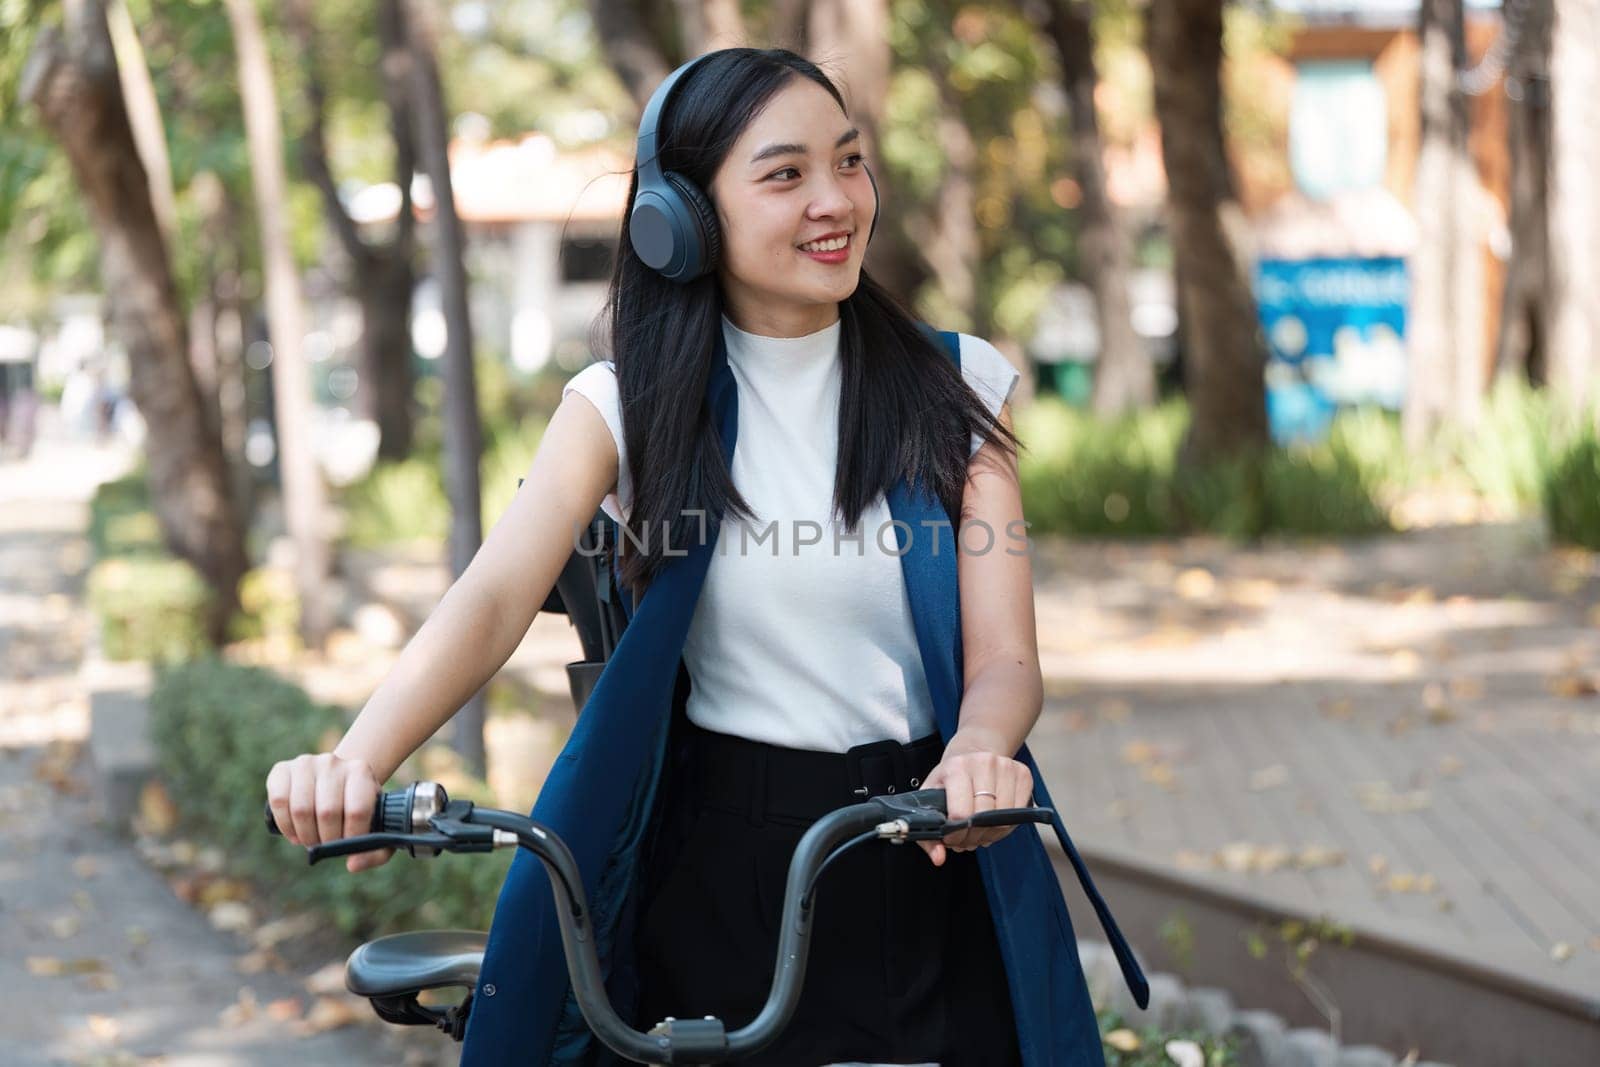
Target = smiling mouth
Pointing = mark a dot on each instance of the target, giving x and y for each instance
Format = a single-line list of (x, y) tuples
[(832, 244)]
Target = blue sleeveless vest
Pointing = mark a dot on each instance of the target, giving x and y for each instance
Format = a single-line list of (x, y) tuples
[(600, 797)]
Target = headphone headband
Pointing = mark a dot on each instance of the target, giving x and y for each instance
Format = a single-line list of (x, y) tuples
[(646, 159)]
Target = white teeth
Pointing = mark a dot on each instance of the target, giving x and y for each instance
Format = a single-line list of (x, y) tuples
[(831, 245)]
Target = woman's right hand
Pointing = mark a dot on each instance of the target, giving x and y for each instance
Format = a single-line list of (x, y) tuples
[(324, 797)]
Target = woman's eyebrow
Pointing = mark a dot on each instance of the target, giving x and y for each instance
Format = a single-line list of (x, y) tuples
[(799, 149)]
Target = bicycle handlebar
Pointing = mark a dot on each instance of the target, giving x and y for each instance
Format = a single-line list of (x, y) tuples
[(460, 826)]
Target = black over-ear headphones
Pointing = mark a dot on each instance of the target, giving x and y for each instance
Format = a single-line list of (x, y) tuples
[(672, 225)]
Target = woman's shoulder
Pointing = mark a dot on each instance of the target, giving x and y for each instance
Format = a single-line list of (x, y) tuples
[(988, 371), (597, 383)]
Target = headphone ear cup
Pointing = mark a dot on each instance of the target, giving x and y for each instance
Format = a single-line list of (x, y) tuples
[(705, 216)]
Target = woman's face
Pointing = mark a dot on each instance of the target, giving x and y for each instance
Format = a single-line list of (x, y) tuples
[(795, 176)]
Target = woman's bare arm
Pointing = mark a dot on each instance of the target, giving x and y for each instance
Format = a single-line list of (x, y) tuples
[(470, 635), (1002, 688)]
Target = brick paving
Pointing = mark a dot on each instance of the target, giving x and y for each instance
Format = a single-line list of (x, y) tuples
[(101, 965)]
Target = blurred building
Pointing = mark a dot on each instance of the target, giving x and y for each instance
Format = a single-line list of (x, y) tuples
[(1332, 194), (542, 227)]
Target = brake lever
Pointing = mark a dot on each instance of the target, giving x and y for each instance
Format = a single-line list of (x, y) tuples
[(922, 824), (448, 835), (349, 846)]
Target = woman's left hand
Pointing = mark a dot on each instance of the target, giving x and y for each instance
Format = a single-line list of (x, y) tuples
[(975, 781)]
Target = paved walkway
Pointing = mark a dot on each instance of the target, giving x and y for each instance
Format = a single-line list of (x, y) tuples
[(100, 964), (1401, 734)]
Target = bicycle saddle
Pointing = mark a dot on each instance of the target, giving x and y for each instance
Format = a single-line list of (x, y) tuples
[(411, 962)]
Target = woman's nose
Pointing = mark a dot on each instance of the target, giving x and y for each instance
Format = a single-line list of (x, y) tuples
[(834, 199)]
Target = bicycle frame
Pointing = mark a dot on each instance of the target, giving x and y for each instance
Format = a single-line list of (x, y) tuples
[(461, 826)]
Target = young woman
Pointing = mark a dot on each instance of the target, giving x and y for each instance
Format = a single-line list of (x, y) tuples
[(773, 409)]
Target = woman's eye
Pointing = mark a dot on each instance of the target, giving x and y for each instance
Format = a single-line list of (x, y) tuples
[(779, 174), (854, 158)]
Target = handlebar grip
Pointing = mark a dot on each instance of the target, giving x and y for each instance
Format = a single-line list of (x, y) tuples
[(377, 816), (399, 811)]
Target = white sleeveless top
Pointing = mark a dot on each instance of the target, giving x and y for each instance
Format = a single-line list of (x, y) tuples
[(802, 636)]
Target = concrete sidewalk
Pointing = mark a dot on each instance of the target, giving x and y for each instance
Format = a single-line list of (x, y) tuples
[(100, 963)]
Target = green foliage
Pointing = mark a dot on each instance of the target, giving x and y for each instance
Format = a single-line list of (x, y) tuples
[(150, 608), (1508, 455), (1119, 477), (1571, 492), (397, 503), (269, 607), (122, 521), (404, 501), (1148, 1045), (1098, 477), (218, 728), (150, 605)]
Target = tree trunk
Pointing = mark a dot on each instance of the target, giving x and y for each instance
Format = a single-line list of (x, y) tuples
[(72, 79), (463, 443), (1222, 337), (144, 116), (635, 55), (381, 277), (1125, 376), (949, 239), (1522, 345), (706, 25), (304, 504), (224, 254), (384, 289), (1445, 322), (1575, 204), (850, 39)]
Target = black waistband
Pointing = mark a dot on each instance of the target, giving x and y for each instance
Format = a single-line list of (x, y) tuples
[(768, 782)]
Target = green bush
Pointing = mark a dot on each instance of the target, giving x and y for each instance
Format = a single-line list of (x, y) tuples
[(1095, 477), (1571, 492), (398, 503), (404, 502), (269, 607), (1507, 457), (218, 728), (1085, 476), (150, 608), (122, 521)]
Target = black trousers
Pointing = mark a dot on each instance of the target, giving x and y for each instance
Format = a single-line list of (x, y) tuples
[(903, 967)]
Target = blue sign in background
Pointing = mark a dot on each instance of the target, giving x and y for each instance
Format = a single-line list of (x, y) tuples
[(1335, 331)]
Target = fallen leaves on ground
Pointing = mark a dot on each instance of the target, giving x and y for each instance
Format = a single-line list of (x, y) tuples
[(104, 1028), (330, 1013), (1153, 766), (56, 967), (1185, 1053), (1381, 798), (158, 815), (1123, 1040), (241, 1011), (286, 1009), (54, 767), (1242, 857), (1572, 686), (326, 980)]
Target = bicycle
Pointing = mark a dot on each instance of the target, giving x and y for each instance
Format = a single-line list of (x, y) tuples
[(391, 972)]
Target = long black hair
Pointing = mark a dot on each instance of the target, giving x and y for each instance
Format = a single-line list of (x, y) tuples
[(904, 410)]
